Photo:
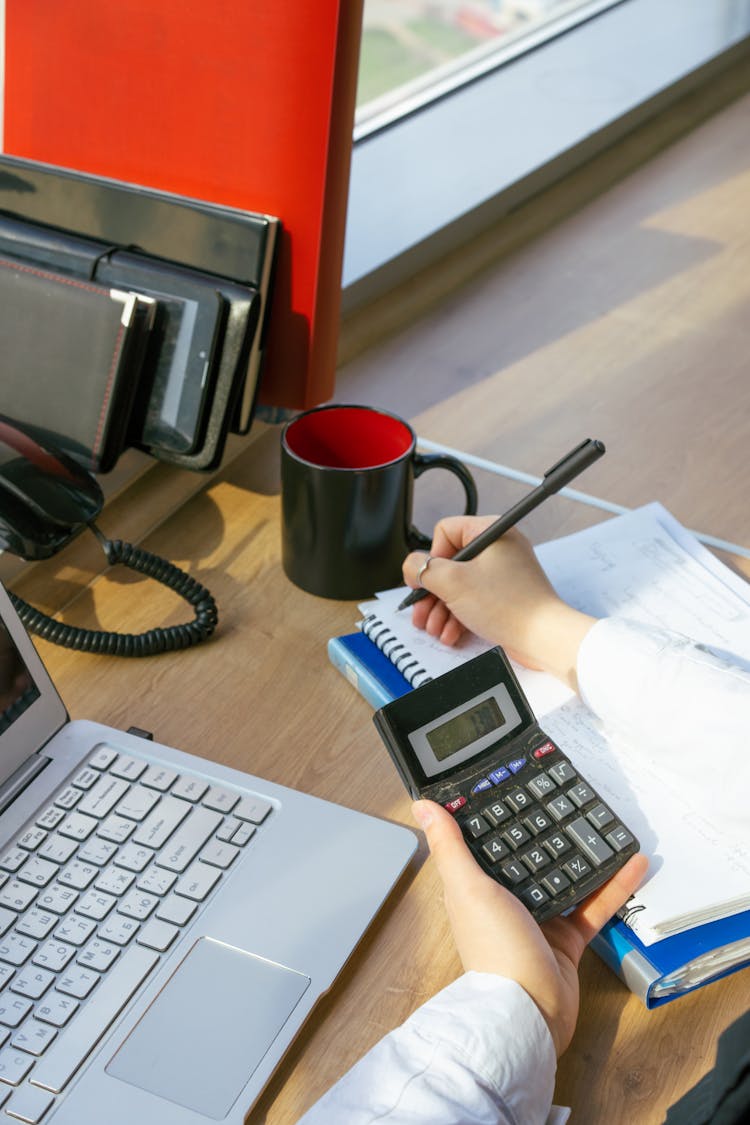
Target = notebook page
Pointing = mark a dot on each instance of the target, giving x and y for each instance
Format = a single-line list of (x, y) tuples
[(646, 567)]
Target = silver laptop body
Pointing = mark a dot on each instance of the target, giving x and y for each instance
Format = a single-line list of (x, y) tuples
[(166, 923)]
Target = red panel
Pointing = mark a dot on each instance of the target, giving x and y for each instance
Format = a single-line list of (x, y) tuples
[(248, 104)]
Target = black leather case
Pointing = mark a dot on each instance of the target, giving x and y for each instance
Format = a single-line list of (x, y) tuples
[(71, 352)]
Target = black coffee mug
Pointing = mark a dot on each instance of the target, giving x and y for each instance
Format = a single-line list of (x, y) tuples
[(347, 477)]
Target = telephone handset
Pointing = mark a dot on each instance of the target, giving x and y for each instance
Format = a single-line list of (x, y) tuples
[(47, 499)]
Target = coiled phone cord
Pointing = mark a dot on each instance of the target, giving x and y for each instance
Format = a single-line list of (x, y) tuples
[(154, 641)]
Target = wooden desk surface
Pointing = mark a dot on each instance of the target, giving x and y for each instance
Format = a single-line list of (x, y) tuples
[(627, 323)]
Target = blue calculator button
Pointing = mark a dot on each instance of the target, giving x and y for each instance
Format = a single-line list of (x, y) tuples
[(480, 786), (516, 765), (499, 775)]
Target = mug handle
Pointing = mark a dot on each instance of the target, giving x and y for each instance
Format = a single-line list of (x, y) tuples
[(424, 461)]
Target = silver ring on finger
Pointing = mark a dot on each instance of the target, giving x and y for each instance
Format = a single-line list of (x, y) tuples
[(422, 569)]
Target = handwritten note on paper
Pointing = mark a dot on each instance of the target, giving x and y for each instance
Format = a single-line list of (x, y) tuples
[(646, 567)]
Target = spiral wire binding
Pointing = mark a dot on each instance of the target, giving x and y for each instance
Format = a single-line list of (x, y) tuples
[(389, 644), (154, 641)]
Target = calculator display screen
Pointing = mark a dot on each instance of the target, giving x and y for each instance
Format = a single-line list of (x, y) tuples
[(458, 734), (464, 728)]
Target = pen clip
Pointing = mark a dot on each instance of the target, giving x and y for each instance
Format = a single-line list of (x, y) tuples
[(564, 460)]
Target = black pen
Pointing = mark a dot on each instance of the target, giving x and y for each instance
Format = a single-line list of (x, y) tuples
[(554, 479)]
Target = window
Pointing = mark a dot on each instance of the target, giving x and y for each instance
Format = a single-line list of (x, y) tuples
[(414, 50), (442, 168)]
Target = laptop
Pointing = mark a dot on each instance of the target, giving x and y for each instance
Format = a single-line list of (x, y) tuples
[(166, 923)]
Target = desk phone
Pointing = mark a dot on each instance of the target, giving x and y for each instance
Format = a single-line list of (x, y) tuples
[(469, 740)]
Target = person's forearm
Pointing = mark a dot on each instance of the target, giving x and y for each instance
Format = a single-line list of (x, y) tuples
[(555, 635)]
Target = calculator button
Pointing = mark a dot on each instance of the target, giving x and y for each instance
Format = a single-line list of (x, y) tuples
[(560, 807), (557, 845), (577, 867), (515, 836), (495, 813), (533, 896), (619, 838), (475, 826), (536, 822), (535, 859), (516, 765), (600, 816), (482, 785), (589, 841), (581, 794), (555, 881), (541, 785), (514, 872), (456, 804), (494, 849), (498, 775), (544, 749), (562, 772), (517, 799)]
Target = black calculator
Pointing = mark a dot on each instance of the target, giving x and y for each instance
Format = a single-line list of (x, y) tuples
[(469, 740)]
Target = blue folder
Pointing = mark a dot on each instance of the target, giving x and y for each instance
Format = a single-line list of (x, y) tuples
[(675, 965), (367, 669)]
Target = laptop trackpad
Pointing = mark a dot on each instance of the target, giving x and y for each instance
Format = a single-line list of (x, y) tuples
[(208, 1029)]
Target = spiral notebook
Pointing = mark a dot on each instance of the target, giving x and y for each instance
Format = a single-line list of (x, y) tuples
[(645, 566)]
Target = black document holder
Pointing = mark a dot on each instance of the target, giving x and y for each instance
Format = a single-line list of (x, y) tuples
[(71, 355), (206, 268)]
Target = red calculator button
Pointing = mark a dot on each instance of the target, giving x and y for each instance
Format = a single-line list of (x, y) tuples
[(546, 748), (456, 804)]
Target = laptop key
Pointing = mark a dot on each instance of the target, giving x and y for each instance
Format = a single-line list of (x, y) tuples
[(78, 826), (175, 909), (137, 802), (189, 788), (103, 758), (51, 817), (68, 1053), (254, 809), (13, 1010), (157, 777), (56, 1009), (128, 768), (222, 800), (14, 1065), (244, 833), (198, 881), (161, 822), (29, 1105), (102, 798), (188, 839), (157, 935), (33, 1037)]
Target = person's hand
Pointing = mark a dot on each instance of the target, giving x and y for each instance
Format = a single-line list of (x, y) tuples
[(495, 933), (502, 595)]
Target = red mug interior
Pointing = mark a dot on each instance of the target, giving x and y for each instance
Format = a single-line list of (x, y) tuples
[(348, 437)]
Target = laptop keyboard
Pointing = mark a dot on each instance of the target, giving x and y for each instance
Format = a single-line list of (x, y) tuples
[(92, 893)]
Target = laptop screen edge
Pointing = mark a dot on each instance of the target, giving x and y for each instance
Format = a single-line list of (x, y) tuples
[(43, 716)]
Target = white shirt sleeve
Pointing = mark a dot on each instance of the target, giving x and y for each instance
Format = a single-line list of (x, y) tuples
[(477, 1053)]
